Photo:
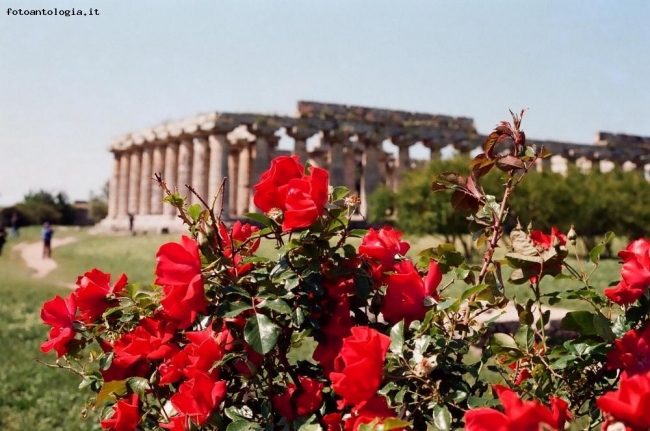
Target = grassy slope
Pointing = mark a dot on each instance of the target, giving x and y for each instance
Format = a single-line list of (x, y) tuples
[(33, 397)]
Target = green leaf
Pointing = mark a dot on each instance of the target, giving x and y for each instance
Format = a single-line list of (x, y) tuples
[(138, 385), (194, 211), (447, 303), (579, 321), (260, 218), (110, 390), (594, 254), (242, 425), (394, 423), (525, 338), (233, 308), (239, 413), (397, 337), (441, 417), (339, 193), (359, 233), (503, 343), (261, 333), (371, 426), (473, 290), (603, 327), (278, 305)]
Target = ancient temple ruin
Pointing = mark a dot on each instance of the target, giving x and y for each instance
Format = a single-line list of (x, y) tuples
[(202, 150)]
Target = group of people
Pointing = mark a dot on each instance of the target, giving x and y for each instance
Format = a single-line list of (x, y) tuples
[(46, 234)]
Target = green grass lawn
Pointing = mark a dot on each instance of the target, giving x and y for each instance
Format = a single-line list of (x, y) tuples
[(34, 397)]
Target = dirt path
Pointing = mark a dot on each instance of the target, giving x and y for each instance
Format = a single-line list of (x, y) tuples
[(32, 254)]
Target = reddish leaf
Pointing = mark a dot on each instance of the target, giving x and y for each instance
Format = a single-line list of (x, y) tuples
[(437, 186), (508, 163), (481, 165), (461, 201), (504, 128), (452, 178), (471, 186), (490, 142)]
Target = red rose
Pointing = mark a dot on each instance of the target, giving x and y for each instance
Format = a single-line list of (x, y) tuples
[(635, 273), (337, 328), (205, 348), (150, 340), (359, 367), (301, 197), (179, 272), (176, 423), (407, 291), (629, 404), (126, 415), (540, 239), (93, 291), (519, 415), (60, 314), (333, 422), (631, 353), (381, 246), (178, 264), (294, 402), (306, 199), (272, 190), (232, 245), (197, 398), (375, 408)]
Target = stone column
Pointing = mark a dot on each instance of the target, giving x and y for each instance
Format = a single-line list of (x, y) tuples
[(233, 176), (114, 186), (123, 186), (146, 181), (350, 169), (185, 153), (200, 161), (264, 144), (403, 159), (134, 180), (370, 176), (244, 178), (156, 203), (300, 135), (219, 153), (335, 157), (171, 173)]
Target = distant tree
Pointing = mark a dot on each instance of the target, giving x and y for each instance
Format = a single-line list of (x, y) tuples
[(98, 205), (41, 206), (594, 203)]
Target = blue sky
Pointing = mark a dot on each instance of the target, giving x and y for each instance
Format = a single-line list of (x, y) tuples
[(69, 85)]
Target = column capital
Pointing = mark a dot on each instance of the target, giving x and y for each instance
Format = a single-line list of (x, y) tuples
[(219, 126), (372, 138), (336, 136), (262, 130), (405, 140), (301, 133)]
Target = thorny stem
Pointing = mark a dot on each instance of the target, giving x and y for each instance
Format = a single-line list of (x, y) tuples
[(497, 232)]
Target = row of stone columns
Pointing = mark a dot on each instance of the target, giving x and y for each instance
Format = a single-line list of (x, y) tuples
[(201, 162)]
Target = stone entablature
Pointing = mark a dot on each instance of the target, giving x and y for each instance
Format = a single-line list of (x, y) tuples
[(204, 149)]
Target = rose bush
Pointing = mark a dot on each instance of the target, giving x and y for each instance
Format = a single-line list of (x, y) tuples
[(330, 337)]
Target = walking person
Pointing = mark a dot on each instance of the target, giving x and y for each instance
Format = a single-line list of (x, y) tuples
[(3, 237), (14, 223), (46, 234)]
